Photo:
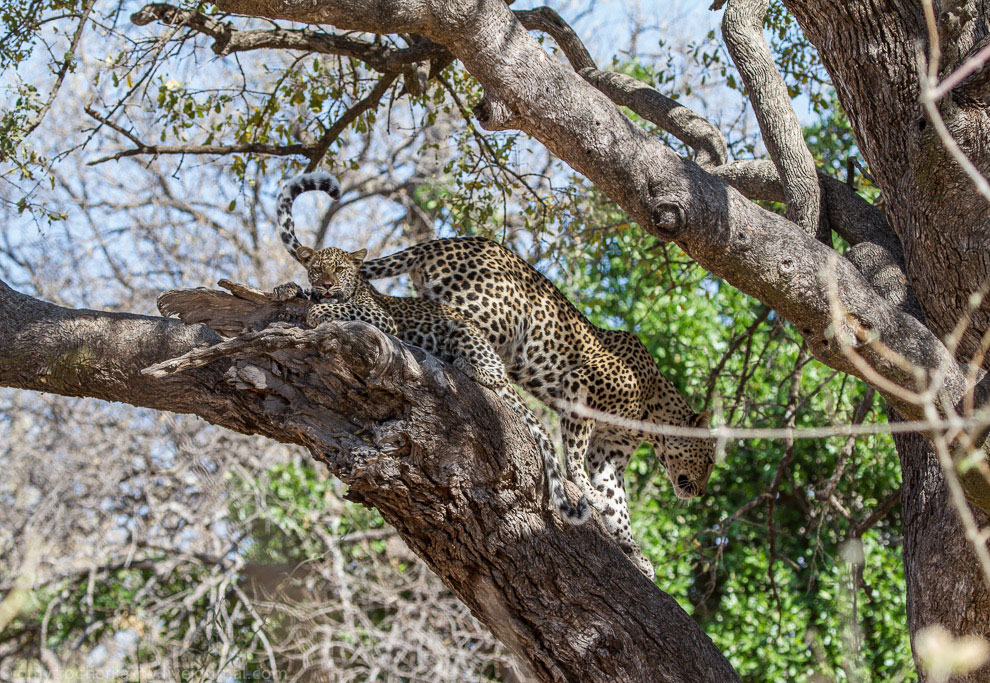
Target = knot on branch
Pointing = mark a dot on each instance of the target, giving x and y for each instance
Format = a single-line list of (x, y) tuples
[(668, 219), (494, 114)]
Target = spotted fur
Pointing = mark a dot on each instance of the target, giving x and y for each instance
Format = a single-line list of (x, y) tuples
[(343, 294), (559, 356)]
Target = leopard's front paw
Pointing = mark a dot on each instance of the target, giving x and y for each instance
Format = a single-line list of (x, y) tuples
[(642, 564), (288, 291), (316, 315)]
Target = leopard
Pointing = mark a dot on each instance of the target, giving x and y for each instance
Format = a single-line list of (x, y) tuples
[(603, 384), (339, 292)]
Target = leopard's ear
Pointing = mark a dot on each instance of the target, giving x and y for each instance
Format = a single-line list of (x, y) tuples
[(703, 420), (358, 256), (305, 255)]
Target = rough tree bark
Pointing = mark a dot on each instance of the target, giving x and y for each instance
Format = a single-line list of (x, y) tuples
[(449, 466), (869, 49), (902, 287)]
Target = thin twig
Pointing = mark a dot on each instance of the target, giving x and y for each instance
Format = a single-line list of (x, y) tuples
[(882, 509), (371, 100), (746, 334), (63, 69)]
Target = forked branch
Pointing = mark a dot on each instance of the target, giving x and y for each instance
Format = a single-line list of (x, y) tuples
[(688, 126)]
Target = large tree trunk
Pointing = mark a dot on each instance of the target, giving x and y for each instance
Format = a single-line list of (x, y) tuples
[(944, 583), (441, 458), (871, 50)]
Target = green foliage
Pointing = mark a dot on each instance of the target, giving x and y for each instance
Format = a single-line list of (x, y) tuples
[(21, 21), (797, 59), (278, 514)]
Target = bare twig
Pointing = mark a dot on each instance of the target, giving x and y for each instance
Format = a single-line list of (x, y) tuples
[(746, 334), (949, 424), (63, 68), (972, 64), (244, 148), (859, 414), (793, 396), (371, 100), (879, 513)]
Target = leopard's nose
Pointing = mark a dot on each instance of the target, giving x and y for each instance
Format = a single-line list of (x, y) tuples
[(686, 486)]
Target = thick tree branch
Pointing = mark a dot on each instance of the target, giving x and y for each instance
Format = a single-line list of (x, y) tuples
[(855, 219), (687, 126), (229, 40), (876, 252), (443, 461), (742, 28)]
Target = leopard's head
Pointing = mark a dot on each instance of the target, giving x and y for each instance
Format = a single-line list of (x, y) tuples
[(332, 272), (689, 460)]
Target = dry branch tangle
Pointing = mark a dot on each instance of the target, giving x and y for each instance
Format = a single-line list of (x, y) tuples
[(449, 467)]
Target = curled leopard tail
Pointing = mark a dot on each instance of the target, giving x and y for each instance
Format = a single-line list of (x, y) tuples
[(308, 182), (576, 514)]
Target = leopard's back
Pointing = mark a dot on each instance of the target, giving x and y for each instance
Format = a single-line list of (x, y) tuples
[(550, 348), (540, 335)]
